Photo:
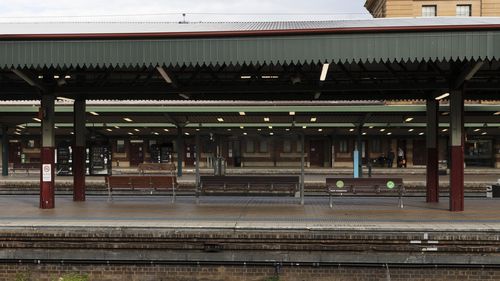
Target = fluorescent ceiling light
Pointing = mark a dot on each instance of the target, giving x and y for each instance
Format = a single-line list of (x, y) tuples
[(67, 77), (186, 133), (259, 130), (287, 129), (116, 127), (37, 119), (241, 127), (220, 119), (304, 127), (291, 113), (94, 113), (17, 133), (484, 133), (445, 130), (127, 119), (21, 126), (389, 133), (271, 133), (245, 134), (364, 133), (164, 74), (409, 119), (270, 127), (229, 130), (242, 113), (130, 133), (411, 130), (72, 133), (421, 134), (65, 99), (371, 127), (324, 72), (443, 96), (197, 129), (56, 76), (156, 133), (246, 76), (382, 130), (351, 130), (477, 130), (313, 119), (137, 130), (109, 130), (270, 76), (166, 130), (266, 119), (320, 130), (496, 113), (184, 96)]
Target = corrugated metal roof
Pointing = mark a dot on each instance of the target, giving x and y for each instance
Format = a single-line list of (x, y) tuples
[(38, 28)]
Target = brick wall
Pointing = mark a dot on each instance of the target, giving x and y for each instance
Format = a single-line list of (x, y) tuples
[(50, 272)]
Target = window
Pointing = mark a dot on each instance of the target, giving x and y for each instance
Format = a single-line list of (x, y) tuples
[(343, 147), (120, 146), (429, 11), (464, 11), (250, 146), (287, 146), (263, 146), (376, 146)]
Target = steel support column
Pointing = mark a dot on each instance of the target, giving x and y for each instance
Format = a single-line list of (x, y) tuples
[(5, 151), (197, 164), (180, 151), (432, 151), (47, 153), (360, 151), (79, 119), (457, 151), (302, 172)]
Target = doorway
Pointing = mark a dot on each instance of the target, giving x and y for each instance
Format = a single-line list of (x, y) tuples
[(136, 152), (317, 153)]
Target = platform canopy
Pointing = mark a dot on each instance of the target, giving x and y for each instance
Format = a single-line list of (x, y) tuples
[(388, 58)]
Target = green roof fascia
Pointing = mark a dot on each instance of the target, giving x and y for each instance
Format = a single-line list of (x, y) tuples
[(247, 109), (366, 47)]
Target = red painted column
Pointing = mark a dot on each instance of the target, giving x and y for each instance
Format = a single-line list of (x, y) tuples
[(432, 151), (47, 153), (79, 150), (457, 151)]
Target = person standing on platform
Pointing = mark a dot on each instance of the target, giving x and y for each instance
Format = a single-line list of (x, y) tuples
[(390, 158), (401, 158)]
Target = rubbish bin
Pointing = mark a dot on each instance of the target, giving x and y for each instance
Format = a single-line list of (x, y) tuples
[(495, 190), (220, 166)]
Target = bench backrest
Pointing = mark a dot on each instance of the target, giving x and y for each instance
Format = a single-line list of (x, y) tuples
[(156, 167), (388, 183), (249, 179), (148, 181)]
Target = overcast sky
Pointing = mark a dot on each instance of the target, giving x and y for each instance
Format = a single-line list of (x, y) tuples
[(196, 10)]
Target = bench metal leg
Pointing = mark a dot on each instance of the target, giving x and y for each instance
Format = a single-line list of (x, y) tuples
[(331, 201), (110, 196), (198, 193)]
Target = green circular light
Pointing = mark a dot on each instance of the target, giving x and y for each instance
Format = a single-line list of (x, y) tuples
[(339, 184), (390, 184)]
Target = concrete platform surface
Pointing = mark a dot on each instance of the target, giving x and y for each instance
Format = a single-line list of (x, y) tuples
[(270, 213)]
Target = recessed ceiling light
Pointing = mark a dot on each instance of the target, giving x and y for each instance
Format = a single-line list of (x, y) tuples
[(130, 133), (137, 130), (484, 133), (245, 134), (411, 130), (445, 130), (382, 130), (389, 133), (313, 119), (67, 77), (409, 119), (65, 99), (270, 76), (421, 134), (241, 127), (266, 119), (94, 113), (371, 127), (270, 127), (246, 76), (109, 130), (364, 133), (71, 133), (17, 133), (445, 113), (477, 130), (21, 126), (351, 130), (229, 130), (271, 133), (166, 130), (304, 127), (186, 133), (40, 76), (287, 129), (496, 113), (320, 130), (127, 119), (116, 127), (220, 119), (259, 130), (291, 113), (242, 113), (56, 76), (37, 119), (156, 133)]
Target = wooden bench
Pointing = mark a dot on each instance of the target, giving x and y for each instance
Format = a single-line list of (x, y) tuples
[(25, 167), (144, 168), (248, 185), (141, 182), (365, 186)]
